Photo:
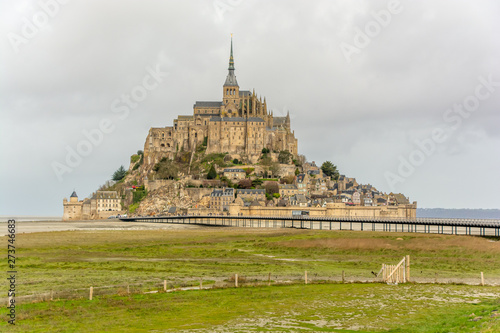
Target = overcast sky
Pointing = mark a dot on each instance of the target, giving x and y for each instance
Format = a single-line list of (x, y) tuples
[(401, 95)]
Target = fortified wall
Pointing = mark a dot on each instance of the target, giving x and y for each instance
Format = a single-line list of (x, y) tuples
[(331, 209)]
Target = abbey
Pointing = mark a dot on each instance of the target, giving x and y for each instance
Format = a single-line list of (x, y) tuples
[(239, 124)]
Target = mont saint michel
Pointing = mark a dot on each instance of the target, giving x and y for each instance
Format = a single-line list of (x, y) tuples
[(232, 157)]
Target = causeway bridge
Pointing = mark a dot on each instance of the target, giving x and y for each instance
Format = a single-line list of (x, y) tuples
[(476, 227)]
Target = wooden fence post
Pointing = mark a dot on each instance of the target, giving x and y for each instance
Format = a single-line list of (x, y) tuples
[(128, 289), (482, 279), (236, 280), (91, 293), (201, 284), (408, 268), (269, 279), (305, 277), (343, 277), (165, 285), (51, 295)]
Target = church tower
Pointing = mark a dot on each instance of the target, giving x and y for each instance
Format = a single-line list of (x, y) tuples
[(231, 90)]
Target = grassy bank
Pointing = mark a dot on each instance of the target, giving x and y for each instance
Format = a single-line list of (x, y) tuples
[(319, 307), (69, 262), (79, 259)]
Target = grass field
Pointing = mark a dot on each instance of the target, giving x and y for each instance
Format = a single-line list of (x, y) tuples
[(64, 261), (320, 307)]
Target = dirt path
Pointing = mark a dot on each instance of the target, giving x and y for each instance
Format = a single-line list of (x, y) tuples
[(47, 226)]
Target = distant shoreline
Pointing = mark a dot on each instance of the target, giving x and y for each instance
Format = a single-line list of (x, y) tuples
[(464, 213), (28, 218), (459, 213)]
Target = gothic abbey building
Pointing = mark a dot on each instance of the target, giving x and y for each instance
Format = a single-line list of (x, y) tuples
[(239, 124)]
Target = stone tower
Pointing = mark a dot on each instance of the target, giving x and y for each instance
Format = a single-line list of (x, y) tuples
[(231, 90), (72, 208)]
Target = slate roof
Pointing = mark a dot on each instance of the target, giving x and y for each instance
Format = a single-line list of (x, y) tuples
[(73, 195), (227, 192), (245, 93), (207, 104), (231, 79), (234, 170), (401, 199), (300, 198), (300, 178), (107, 195)]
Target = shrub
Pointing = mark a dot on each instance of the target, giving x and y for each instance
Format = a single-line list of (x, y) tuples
[(272, 188), (284, 157), (166, 169), (245, 183), (135, 158), (212, 174), (249, 170), (133, 207)]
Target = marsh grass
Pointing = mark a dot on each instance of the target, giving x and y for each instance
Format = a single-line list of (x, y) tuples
[(69, 262), (79, 259), (286, 308)]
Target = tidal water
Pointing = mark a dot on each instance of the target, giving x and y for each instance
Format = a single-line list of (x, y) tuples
[(459, 213)]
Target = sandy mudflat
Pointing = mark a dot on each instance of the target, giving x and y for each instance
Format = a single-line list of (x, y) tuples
[(44, 226)]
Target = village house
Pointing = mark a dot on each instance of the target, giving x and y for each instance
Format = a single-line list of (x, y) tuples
[(299, 200), (251, 195), (356, 198), (287, 190), (301, 182), (103, 204), (234, 174), (368, 202), (221, 198)]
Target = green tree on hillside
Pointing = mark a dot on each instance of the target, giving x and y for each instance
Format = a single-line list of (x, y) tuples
[(166, 169), (272, 187), (284, 157), (274, 168), (266, 160), (119, 174), (330, 170), (212, 174)]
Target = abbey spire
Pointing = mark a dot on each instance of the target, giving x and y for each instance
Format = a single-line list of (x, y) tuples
[(231, 78)]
